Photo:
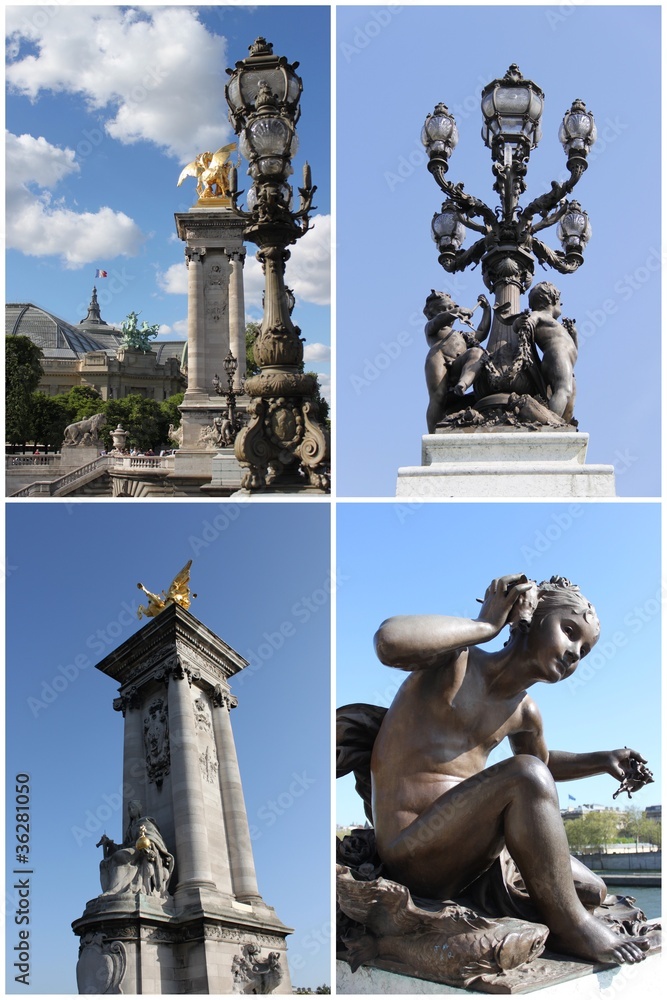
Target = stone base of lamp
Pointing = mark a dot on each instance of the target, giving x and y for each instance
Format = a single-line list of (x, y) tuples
[(505, 464), (283, 448)]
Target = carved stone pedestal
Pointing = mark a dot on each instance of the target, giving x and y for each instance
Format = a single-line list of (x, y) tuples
[(505, 464), (208, 930), (215, 257)]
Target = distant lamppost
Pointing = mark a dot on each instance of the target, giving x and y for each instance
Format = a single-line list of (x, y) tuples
[(283, 443), (231, 427), (508, 246)]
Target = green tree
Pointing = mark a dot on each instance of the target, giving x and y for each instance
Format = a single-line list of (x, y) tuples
[(652, 832), (23, 373), (576, 834), (146, 423), (50, 417), (81, 401), (170, 409), (632, 822), (601, 828), (251, 334)]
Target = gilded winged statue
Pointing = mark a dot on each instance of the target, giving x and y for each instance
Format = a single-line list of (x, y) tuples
[(211, 171), (178, 593)]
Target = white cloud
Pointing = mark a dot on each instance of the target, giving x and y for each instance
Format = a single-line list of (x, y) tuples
[(308, 271), (177, 331), (174, 281), (39, 227), (325, 385), (316, 352), (155, 73)]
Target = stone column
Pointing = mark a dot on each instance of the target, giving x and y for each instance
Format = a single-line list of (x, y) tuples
[(237, 313), (192, 848), (244, 879), (134, 755), (196, 330)]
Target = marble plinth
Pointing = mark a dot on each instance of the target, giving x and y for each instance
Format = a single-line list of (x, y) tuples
[(505, 464)]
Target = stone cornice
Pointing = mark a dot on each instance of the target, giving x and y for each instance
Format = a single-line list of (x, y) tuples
[(173, 633)]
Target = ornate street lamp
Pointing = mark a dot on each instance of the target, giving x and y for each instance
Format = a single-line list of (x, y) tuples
[(231, 425), (508, 245), (283, 443)]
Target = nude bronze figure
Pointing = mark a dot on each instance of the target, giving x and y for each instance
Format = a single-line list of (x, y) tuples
[(442, 817)]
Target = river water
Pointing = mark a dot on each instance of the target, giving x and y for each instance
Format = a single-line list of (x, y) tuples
[(648, 899)]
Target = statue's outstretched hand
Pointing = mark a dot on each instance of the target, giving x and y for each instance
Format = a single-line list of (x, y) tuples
[(501, 596), (629, 767)]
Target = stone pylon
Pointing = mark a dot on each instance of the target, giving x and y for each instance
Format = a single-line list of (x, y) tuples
[(215, 256), (181, 911)]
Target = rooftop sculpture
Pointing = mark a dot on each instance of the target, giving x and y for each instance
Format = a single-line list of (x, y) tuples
[(467, 876), (137, 337)]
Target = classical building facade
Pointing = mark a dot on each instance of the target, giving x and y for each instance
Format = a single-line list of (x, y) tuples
[(90, 353)]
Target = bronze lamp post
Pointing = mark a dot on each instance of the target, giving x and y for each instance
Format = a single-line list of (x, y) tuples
[(508, 246), (283, 444)]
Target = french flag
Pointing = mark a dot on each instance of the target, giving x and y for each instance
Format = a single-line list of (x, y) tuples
[(101, 274)]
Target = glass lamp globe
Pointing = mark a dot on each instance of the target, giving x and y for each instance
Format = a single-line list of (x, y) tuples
[(447, 230), (440, 134), (512, 109)]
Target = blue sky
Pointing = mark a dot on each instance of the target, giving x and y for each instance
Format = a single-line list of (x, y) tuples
[(436, 558), (394, 64), (72, 571), (105, 106)]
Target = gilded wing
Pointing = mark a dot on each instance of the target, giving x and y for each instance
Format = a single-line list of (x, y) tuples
[(189, 171), (221, 155), (179, 590)]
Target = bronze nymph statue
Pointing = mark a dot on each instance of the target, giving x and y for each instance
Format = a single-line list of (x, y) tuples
[(468, 873)]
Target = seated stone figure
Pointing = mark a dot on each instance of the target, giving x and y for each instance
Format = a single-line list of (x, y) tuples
[(142, 863), (447, 827)]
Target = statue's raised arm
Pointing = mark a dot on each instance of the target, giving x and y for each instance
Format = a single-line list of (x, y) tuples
[(415, 642)]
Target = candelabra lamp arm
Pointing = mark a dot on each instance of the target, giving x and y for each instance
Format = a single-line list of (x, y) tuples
[(550, 220), (545, 203), (466, 203), (306, 206), (462, 259), (476, 227), (555, 258)]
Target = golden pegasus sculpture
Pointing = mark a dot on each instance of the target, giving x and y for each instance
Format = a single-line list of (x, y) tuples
[(177, 593), (212, 172)]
